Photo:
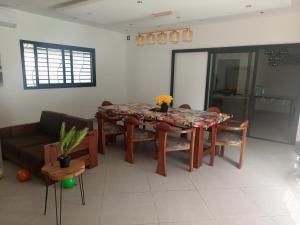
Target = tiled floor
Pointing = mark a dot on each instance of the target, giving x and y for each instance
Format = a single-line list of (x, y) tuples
[(264, 192)]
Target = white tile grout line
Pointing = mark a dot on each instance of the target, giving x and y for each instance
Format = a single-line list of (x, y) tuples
[(205, 203), (154, 203)]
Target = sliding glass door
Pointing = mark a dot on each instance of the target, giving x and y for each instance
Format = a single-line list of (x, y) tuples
[(275, 109), (231, 82), (256, 83), (262, 86)]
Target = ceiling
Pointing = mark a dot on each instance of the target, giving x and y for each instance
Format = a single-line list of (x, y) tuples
[(136, 15)]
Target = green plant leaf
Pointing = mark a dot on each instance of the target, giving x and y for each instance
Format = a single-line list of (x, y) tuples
[(62, 131), (71, 139)]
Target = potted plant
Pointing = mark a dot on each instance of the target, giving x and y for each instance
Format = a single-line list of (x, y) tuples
[(163, 101), (68, 141)]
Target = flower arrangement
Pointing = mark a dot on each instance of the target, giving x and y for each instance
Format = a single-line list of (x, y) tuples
[(163, 99)]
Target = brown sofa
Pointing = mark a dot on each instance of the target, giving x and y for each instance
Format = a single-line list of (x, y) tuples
[(24, 144)]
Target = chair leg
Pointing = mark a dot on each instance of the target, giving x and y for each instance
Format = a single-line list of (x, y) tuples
[(217, 151), (222, 150), (101, 143), (191, 160), (161, 163), (242, 152), (212, 156)]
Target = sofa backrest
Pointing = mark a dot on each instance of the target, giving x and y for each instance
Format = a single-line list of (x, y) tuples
[(78, 122), (50, 122)]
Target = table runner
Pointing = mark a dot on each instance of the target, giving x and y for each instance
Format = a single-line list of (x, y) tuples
[(175, 116)]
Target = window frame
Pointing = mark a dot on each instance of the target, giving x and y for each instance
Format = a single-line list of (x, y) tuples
[(61, 47)]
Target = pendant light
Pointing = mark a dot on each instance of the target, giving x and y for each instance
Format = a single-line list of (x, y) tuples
[(187, 35), (139, 40), (162, 38), (150, 39), (174, 36)]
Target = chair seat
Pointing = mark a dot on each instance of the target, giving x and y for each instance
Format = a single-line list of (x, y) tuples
[(110, 128), (228, 138), (143, 135), (177, 143)]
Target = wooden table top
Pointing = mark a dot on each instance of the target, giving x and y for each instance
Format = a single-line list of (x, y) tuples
[(56, 173)]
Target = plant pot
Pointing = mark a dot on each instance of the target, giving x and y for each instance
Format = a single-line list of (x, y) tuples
[(64, 161), (164, 108)]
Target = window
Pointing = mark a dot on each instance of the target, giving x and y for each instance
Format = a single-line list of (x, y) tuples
[(57, 66)]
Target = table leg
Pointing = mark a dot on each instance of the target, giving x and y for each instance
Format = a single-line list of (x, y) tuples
[(199, 147), (58, 218), (55, 198), (213, 145), (46, 199), (61, 187), (81, 189)]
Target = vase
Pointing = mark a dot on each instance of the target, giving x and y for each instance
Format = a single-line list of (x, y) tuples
[(164, 107), (64, 161)]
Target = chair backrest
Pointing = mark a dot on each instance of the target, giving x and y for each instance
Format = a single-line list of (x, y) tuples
[(106, 103), (185, 106), (213, 109)]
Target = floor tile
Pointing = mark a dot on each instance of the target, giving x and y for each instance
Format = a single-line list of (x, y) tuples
[(203, 222), (248, 221), (128, 208), (288, 220), (229, 203), (174, 206), (275, 201), (170, 183)]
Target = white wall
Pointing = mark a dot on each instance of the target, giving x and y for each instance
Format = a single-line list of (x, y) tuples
[(149, 67), (21, 106)]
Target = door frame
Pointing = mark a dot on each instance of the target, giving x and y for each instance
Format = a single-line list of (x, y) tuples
[(211, 64)]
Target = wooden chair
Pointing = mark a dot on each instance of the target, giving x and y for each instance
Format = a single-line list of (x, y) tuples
[(185, 106), (213, 109), (233, 133), (107, 127), (106, 103), (167, 143), (135, 134)]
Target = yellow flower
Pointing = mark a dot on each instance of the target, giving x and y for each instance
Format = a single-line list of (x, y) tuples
[(163, 99)]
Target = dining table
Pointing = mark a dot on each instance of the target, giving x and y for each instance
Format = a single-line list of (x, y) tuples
[(178, 117)]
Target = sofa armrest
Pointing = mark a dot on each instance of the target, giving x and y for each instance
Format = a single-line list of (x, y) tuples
[(19, 130), (51, 151)]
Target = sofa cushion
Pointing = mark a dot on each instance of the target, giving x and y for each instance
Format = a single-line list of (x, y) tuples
[(50, 122), (33, 154), (14, 144), (79, 123)]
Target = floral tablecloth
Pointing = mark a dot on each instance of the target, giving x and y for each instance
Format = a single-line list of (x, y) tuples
[(175, 116)]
